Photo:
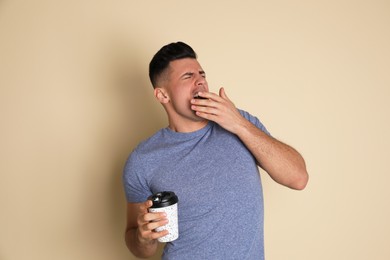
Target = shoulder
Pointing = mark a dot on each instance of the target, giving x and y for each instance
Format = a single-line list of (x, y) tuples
[(148, 144), (254, 120), (137, 155), (245, 114), (248, 116)]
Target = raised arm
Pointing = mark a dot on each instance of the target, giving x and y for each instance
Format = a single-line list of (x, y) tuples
[(282, 162)]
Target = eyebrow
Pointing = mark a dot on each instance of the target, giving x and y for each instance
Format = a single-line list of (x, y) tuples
[(201, 72)]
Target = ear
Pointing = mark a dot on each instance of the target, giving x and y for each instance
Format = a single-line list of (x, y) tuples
[(161, 95)]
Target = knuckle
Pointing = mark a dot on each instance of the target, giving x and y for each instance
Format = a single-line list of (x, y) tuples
[(156, 235), (142, 233), (150, 226), (142, 219)]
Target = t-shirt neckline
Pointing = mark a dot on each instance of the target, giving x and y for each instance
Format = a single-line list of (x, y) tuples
[(185, 135)]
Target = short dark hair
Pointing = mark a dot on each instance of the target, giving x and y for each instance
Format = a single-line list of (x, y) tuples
[(168, 53)]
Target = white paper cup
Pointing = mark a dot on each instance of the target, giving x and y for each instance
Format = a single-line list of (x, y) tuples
[(166, 201)]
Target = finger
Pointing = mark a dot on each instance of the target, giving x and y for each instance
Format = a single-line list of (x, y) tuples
[(208, 95), (153, 216), (222, 94), (149, 235), (205, 109), (212, 101), (156, 235), (153, 225), (145, 205)]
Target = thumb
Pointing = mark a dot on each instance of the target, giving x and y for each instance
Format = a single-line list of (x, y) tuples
[(145, 205), (222, 93)]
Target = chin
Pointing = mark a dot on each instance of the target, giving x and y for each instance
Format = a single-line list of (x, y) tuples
[(199, 119)]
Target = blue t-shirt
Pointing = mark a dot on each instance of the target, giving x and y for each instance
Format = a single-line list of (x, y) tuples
[(218, 185)]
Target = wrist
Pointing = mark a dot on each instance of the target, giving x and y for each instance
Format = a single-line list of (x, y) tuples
[(142, 247), (243, 127)]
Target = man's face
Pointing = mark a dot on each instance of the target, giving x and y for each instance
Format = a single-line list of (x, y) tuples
[(185, 78)]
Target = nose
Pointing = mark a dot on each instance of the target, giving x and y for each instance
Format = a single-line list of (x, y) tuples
[(201, 80)]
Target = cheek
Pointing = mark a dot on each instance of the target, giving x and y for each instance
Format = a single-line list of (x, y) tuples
[(206, 85), (181, 101)]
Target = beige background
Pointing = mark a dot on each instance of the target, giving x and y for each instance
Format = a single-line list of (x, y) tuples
[(75, 99)]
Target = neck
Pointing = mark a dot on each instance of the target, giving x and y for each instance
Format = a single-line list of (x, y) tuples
[(187, 127)]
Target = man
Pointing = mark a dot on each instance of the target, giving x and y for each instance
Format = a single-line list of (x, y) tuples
[(208, 155)]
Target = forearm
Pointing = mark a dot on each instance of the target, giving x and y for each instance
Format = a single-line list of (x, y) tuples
[(282, 162), (139, 249)]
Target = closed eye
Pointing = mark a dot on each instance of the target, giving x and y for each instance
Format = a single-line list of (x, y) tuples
[(187, 75)]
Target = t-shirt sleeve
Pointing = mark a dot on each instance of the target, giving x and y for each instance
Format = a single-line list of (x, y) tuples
[(254, 120), (134, 179)]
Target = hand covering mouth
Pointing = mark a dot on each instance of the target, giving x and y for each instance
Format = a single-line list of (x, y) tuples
[(196, 96)]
